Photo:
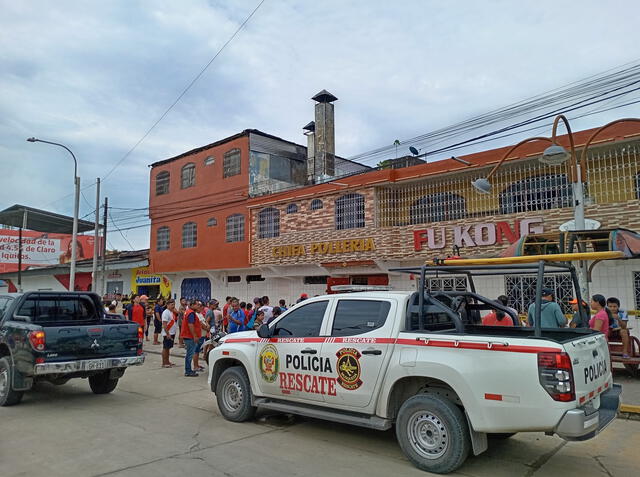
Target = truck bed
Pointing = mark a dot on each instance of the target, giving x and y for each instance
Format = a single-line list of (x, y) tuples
[(558, 335)]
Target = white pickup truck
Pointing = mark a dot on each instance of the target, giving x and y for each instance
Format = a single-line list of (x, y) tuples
[(423, 364)]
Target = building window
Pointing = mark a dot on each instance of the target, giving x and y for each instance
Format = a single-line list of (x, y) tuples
[(235, 228), (233, 278), (438, 207), (162, 239), (636, 288), (316, 204), (231, 163), (255, 278), (638, 186), (292, 209), (209, 160), (521, 290), (189, 235), (269, 223), (188, 175), (162, 183), (536, 193), (350, 212), (315, 280), (212, 222)]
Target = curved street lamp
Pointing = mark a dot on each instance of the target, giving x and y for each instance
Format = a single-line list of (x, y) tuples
[(482, 184), (76, 207)]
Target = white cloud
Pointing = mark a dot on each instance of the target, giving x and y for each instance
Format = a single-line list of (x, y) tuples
[(96, 75)]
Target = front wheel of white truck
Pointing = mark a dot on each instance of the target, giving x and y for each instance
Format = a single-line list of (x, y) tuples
[(433, 433), (233, 393)]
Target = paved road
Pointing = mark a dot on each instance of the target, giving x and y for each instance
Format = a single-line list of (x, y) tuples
[(159, 423)]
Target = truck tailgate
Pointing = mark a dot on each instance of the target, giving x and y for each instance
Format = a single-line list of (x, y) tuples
[(591, 366), (91, 341)]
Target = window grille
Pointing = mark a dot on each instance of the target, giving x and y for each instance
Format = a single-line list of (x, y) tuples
[(269, 223), (316, 204), (447, 284), (163, 239), (209, 160), (189, 235), (636, 288), (315, 280), (233, 278), (231, 163), (235, 228), (438, 207), (536, 193), (212, 222), (292, 209), (350, 212), (638, 186), (521, 290), (162, 183), (188, 175)]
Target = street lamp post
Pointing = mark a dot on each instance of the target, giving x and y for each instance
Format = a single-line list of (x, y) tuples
[(76, 207)]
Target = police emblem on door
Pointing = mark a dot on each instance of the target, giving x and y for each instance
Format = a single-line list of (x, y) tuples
[(269, 363), (348, 367)]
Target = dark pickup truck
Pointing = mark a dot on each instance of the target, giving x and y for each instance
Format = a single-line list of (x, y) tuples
[(49, 336)]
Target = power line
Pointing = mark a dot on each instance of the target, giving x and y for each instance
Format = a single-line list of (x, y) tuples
[(197, 77), (118, 229)]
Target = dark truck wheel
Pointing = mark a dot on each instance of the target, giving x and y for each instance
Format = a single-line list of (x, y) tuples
[(101, 384), (233, 393), (8, 397), (433, 433)]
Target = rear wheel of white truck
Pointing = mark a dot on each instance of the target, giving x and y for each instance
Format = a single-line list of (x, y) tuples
[(233, 393), (433, 433)]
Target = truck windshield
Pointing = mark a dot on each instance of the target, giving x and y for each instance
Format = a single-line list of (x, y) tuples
[(52, 309)]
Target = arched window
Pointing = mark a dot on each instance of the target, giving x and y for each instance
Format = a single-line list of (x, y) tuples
[(212, 222), (350, 212), (235, 228), (188, 175), (231, 163), (162, 239), (162, 183), (536, 193), (292, 208), (269, 223), (438, 207), (316, 204), (209, 160), (189, 235)]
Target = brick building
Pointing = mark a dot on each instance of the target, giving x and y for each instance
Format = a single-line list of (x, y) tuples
[(254, 214)]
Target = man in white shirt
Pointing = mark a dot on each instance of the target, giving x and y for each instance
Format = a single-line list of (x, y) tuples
[(266, 309), (169, 330)]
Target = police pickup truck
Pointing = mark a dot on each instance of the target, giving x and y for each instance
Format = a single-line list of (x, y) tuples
[(47, 336), (421, 362)]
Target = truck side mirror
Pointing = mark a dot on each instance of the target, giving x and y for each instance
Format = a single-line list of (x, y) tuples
[(264, 331)]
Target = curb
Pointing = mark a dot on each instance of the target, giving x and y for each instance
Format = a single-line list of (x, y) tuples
[(629, 409)]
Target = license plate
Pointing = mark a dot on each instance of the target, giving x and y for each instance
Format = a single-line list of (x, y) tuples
[(96, 364)]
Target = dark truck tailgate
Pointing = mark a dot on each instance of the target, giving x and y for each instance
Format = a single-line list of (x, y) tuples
[(98, 340)]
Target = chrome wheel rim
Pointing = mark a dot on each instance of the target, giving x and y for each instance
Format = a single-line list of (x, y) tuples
[(4, 381), (428, 435), (232, 395)]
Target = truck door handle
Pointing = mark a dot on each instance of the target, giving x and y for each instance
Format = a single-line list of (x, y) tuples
[(309, 351), (372, 351)]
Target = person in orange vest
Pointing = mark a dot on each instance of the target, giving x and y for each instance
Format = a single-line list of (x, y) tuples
[(136, 312), (191, 331)]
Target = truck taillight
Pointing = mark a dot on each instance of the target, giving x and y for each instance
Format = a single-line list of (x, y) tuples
[(140, 334), (556, 376), (37, 340)]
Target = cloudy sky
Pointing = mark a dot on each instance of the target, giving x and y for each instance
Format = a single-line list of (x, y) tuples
[(96, 75)]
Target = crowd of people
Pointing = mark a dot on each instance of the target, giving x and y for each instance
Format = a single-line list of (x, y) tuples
[(605, 315), (192, 322)]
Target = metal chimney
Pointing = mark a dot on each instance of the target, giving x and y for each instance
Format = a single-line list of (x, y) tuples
[(309, 131), (324, 137)]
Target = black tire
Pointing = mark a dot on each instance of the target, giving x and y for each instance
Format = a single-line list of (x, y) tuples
[(500, 436), (101, 384), (233, 393), (433, 433), (632, 368), (8, 396)]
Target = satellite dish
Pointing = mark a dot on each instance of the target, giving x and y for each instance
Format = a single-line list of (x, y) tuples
[(589, 224), (414, 151)]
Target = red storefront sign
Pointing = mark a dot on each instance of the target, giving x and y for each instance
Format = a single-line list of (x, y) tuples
[(476, 235)]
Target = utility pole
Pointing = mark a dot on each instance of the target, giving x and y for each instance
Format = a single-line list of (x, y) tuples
[(104, 247), (96, 244)]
